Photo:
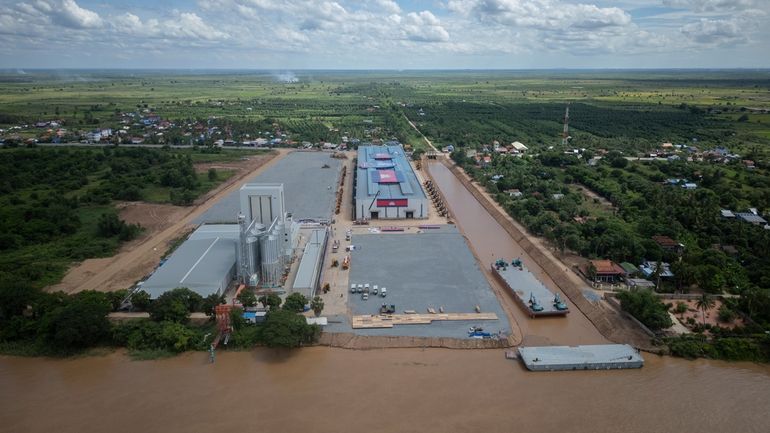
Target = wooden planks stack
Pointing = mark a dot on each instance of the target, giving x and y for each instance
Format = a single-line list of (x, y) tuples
[(388, 320)]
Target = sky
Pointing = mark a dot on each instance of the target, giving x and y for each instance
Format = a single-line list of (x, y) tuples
[(384, 34)]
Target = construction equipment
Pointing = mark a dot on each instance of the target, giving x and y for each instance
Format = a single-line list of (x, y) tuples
[(346, 263), (385, 309), (533, 304), (558, 303)]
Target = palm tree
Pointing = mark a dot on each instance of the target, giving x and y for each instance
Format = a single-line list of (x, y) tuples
[(705, 303)]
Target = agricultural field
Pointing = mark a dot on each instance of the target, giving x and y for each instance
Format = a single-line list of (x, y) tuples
[(631, 111)]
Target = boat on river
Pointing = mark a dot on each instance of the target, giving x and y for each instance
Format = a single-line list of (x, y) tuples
[(531, 295)]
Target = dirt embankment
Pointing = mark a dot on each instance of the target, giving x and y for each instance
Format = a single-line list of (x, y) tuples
[(609, 323), (162, 225), (353, 341)]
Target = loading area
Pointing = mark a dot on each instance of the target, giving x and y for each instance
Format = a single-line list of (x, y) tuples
[(432, 281)]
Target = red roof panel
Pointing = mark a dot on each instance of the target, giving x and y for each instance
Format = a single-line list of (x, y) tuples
[(387, 176)]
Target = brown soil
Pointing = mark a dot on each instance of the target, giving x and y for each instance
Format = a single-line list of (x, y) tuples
[(163, 224), (712, 315)]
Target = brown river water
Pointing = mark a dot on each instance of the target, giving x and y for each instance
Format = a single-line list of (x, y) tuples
[(324, 389)]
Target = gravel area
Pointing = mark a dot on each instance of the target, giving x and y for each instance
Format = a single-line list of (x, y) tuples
[(305, 184), (434, 268)]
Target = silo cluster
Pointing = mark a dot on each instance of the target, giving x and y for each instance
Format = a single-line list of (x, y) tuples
[(262, 253)]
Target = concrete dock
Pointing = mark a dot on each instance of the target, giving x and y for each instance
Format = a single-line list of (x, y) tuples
[(591, 357)]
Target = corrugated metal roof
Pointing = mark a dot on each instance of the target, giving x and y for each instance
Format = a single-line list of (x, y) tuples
[(307, 273), (369, 174), (201, 263)]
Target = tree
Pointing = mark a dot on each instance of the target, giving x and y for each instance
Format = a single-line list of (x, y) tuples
[(317, 305), (116, 298), (169, 308), (284, 328), (212, 174), (648, 308), (78, 324), (211, 301), (295, 302), (14, 298), (704, 303), (248, 298), (175, 305), (271, 300), (140, 300)]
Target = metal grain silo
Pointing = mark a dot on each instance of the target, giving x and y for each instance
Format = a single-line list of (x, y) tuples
[(271, 261)]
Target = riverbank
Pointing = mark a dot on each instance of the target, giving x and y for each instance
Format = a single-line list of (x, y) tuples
[(608, 322)]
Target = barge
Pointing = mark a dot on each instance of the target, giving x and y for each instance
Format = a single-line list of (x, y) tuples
[(531, 295), (590, 357)]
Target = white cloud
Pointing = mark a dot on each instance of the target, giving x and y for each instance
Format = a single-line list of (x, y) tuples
[(389, 6), (69, 14), (713, 5), (542, 14), (381, 33), (714, 32), (185, 26), (423, 27)]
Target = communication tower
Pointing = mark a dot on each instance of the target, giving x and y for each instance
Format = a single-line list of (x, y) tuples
[(565, 135)]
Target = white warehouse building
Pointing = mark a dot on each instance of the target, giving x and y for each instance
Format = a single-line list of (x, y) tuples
[(387, 186)]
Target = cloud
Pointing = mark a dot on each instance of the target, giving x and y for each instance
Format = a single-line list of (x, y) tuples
[(424, 27), (713, 5), (69, 14), (388, 6), (542, 14), (185, 26), (715, 32)]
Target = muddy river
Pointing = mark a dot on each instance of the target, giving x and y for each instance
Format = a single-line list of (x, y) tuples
[(394, 390)]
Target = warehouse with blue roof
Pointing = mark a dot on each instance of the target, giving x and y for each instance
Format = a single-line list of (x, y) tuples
[(386, 185)]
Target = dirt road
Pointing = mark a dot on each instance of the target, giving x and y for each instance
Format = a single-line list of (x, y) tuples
[(136, 260)]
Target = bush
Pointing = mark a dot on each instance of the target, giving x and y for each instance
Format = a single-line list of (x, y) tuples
[(175, 305), (647, 308), (78, 324), (726, 314), (146, 335), (295, 302), (284, 328)]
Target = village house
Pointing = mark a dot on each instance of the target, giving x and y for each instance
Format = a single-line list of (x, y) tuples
[(604, 271), (751, 218), (668, 244)]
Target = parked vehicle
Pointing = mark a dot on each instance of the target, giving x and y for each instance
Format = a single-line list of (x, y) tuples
[(352, 288), (365, 296), (383, 292), (360, 288), (375, 290)]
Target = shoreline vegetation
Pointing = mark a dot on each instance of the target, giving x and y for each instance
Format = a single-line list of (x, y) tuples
[(593, 197)]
